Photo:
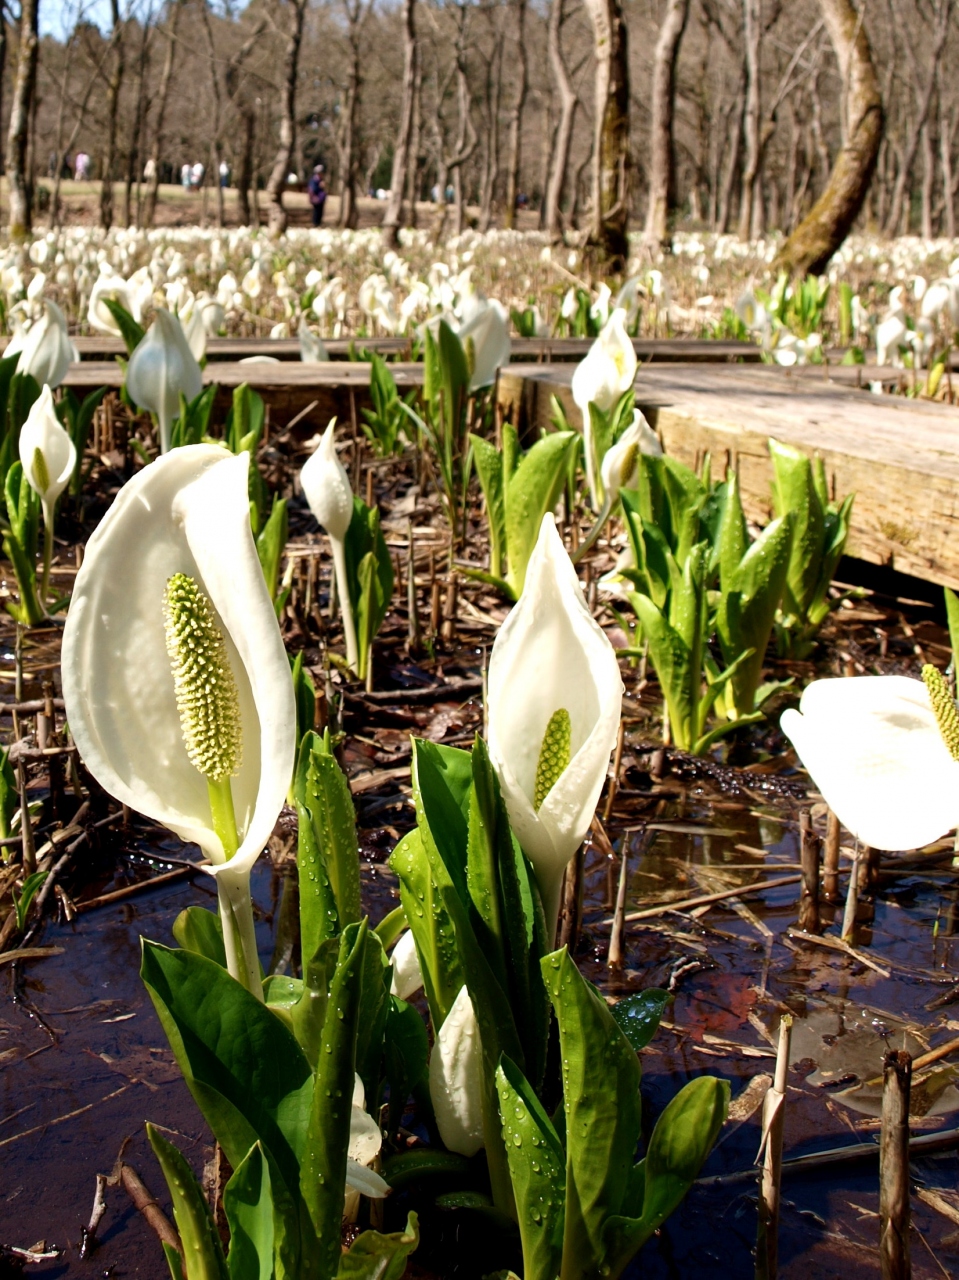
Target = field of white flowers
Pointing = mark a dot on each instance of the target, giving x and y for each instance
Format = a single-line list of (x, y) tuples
[(900, 297)]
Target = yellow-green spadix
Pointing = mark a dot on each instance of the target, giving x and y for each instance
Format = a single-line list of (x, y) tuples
[(185, 514), (551, 657)]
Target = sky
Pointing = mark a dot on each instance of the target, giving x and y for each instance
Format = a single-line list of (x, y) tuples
[(57, 17)]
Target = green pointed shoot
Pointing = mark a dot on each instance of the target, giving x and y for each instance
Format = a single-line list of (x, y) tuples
[(248, 1205), (952, 618), (537, 1167), (325, 794), (202, 1252)]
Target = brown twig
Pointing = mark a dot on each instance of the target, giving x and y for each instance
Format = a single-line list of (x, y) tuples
[(774, 1115), (894, 1168), (144, 1202)]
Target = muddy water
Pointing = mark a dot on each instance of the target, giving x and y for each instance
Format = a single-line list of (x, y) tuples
[(83, 1061)]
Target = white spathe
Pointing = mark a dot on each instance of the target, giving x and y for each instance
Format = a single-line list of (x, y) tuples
[(873, 748), (43, 433), (312, 348), (185, 513), (108, 285), (606, 373), (484, 324), (161, 369), (366, 1141), (618, 468), (407, 975), (326, 487), (45, 349), (456, 1078), (549, 654)]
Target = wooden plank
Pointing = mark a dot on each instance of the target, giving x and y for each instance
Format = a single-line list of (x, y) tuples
[(684, 350), (899, 456)]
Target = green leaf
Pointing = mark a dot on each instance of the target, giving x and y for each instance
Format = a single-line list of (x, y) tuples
[(308, 1011), (672, 659), (271, 543), (319, 917), (490, 466), (374, 1011), (244, 423), (442, 777), (378, 1257), (684, 1135), (794, 491), (601, 1102), (952, 616), (241, 1063), (131, 331), (200, 930), (533, 489), (31, 887), (202, 1251), (248, 1205), (430, 924), (537, 1167), (639, 1014), (173, 1261), (733, 535), (369, 571), (329, 803), (323, 1166), (304, 692)]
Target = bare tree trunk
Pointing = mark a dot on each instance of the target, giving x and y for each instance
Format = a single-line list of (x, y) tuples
[(466, 136), (494, 94), (661, 170), (163, 93), (114, 85), (19, 180), (247, 113), (947, 129), (276, 184), (216, 142), (820, 234), (133, 150), (404, 157), (3, 68), (923, 84), (610, 211), (516, 118), (245, 180), (928, 179), (732, 164), (752, 26), (568, 102), (413, 164)]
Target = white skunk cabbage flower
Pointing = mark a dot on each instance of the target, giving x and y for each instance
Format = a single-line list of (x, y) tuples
[(456, 1078), (890, 335), (312, 348), (45, 349), (108, 285), (366, 1140), (553, 705), (407, 975), (618, 468), (326, 487), (484, 332), (752, 313), (884, 752), (606, 373), (47, 453), (175, 677), (160, 369), (194, 331)]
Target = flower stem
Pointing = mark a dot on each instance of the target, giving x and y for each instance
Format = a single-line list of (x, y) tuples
[(239, 934), (47, 554), (346, 608)]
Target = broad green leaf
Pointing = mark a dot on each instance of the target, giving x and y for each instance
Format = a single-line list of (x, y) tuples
[(537, 1167), (490, 465), (173, 1261), (248, 1205), (271, 543), (674, 668), (200, 930), (329, 802), (304, 691), (323, 1165), (441, 781), (601, 1077), (683, 1137), (308, 1012), (639, 1014), (794, 491), (391, 926), (319, 917), (242, 1064), (533, 489), (378, 1257), (202, 1251), (245, 420), (374, 1010), (430, 924), (733, 535)]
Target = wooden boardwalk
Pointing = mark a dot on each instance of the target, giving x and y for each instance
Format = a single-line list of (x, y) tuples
[(899, 456)]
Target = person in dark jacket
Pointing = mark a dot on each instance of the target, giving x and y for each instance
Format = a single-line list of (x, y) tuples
[(317, 192)]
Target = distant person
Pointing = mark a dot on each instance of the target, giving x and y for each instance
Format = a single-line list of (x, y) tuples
[(149, 170), (186, 177), (316, 189), (197, 175), (81, 167), (224, 174)]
